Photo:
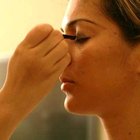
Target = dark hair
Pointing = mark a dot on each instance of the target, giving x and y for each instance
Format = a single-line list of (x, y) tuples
[(126, 13)]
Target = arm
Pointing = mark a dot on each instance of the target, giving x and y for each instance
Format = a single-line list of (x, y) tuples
[(32, 72)]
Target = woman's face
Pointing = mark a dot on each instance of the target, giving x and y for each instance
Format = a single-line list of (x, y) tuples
[(99, 77)]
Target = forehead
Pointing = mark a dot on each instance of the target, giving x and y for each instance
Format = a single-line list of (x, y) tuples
[(85, 9)]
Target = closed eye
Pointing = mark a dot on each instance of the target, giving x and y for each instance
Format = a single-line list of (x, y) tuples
[(77, 39), (81, 40)]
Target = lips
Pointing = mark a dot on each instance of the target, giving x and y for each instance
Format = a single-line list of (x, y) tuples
[(67, 84), (66, 80)]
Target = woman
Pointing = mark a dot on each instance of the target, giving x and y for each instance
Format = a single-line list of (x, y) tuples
[(103, 77)]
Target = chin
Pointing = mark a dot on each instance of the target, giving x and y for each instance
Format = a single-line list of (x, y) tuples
[(83, 106), (73, 106)]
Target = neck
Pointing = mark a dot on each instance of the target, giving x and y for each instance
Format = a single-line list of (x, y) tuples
[(123, 124)]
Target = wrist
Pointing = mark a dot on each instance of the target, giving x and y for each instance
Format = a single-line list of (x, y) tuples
[(8, 118)]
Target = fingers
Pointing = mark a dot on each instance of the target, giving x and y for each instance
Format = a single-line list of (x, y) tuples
[(59, 67), (42, 39), (54, 38), (46, 48), (63, 63), (37, 35), (57, 53)]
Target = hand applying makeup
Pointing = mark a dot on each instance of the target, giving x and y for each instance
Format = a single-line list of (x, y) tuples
[(33, 71)]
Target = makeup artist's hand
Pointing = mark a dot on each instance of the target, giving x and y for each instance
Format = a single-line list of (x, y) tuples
[(37, 63), (33, 70)]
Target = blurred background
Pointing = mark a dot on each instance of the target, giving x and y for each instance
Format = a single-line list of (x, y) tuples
[(19, 16), (49, 121)]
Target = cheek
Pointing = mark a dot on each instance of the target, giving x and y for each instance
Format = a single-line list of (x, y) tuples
[(100, 74), (95, 66), (103, 64)]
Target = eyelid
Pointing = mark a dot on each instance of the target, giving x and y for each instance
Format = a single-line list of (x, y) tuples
[(77, 38), (82, 40), (81, 36)]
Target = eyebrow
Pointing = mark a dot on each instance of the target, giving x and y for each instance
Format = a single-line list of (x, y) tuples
[(73, 22)]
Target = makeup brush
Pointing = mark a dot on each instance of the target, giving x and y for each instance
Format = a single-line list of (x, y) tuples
[(71, 37)]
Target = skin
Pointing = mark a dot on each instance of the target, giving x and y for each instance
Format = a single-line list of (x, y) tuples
[(103, 76), (33, 71)]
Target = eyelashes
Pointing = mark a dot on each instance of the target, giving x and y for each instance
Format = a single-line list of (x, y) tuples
[(81, 40), (71, 37), (77, 39)]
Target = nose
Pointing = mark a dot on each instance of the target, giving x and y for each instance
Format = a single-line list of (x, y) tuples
[(70, 39)]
